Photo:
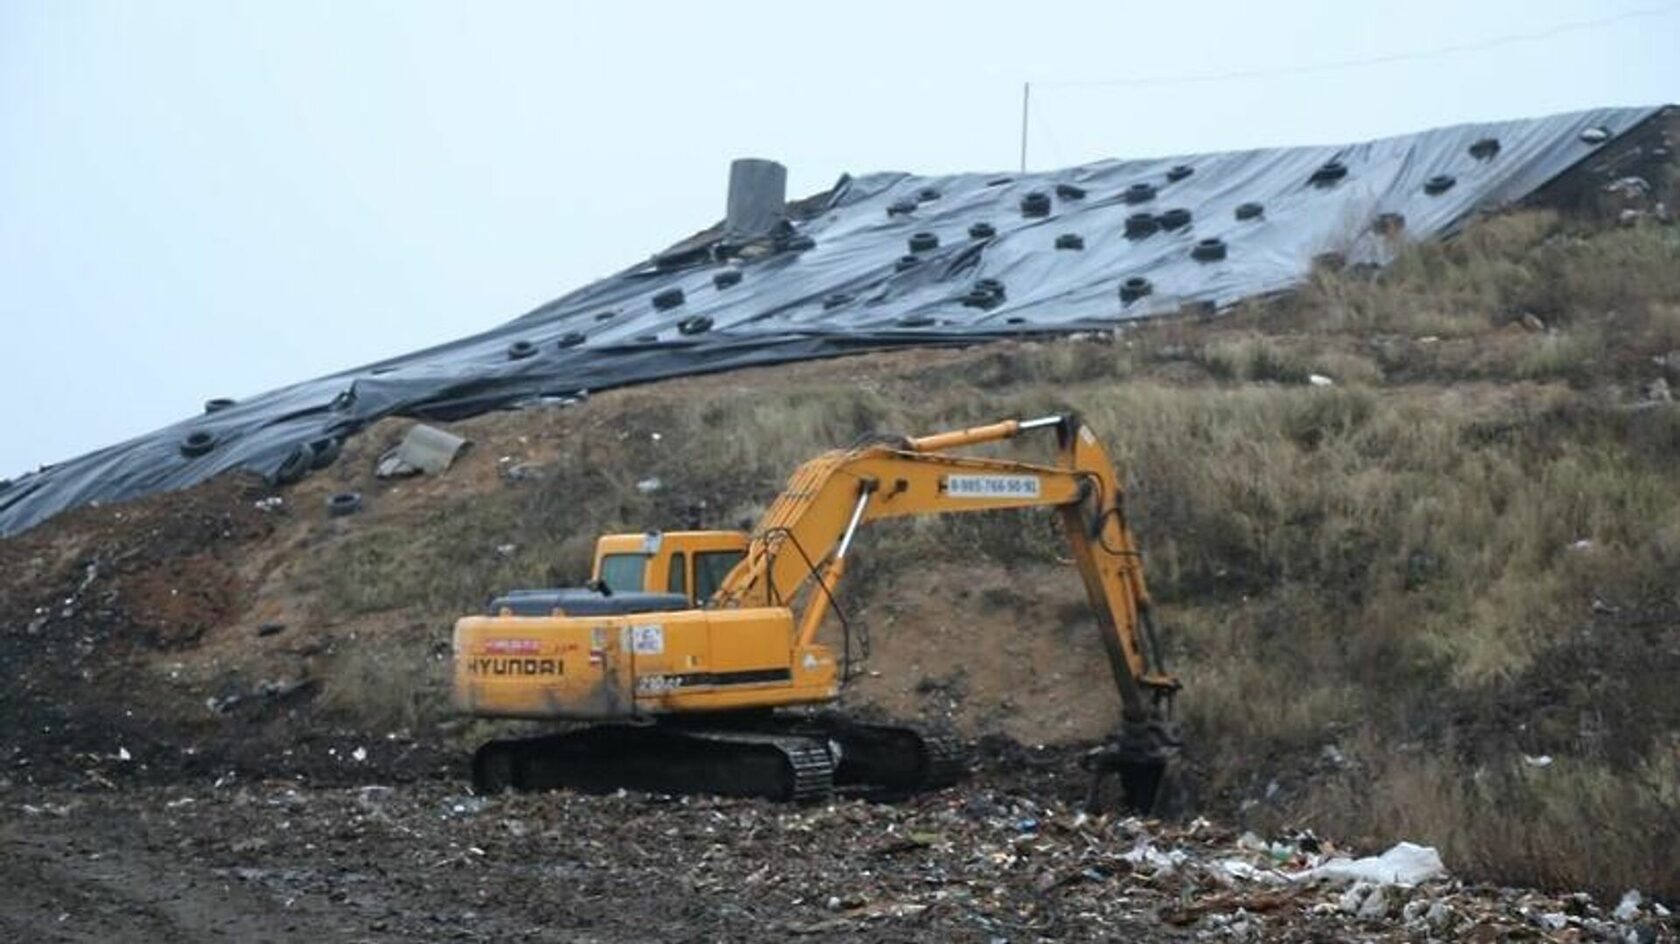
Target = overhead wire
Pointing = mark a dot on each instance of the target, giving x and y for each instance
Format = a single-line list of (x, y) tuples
[(1333, 65), (1339, 64)]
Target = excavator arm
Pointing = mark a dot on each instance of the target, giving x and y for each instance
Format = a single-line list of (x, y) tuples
[(805, 537)]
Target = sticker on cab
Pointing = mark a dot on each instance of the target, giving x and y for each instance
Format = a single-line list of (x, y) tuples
[(510, 646), (647, 639)]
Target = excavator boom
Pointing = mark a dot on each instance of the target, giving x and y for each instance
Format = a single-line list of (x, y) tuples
[(806, 532)]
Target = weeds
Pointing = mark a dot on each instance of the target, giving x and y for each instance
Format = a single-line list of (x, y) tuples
[(380, 682)]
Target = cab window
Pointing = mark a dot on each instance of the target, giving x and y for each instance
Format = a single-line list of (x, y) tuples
[(710, 567), (677, 582), (623, 573)]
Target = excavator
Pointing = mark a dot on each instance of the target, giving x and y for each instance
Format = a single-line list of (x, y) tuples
[(691, 663)]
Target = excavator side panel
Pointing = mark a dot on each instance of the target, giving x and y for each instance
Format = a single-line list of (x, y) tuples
[(543, 667), (752, 664), (621, 667)]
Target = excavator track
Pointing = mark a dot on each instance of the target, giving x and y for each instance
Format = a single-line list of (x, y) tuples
[(883, 761), (660, 759), (792, 758)]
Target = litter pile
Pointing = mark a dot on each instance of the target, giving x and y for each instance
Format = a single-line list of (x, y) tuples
[(979, 862)]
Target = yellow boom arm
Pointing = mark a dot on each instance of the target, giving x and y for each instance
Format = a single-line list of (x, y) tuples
[(806, 534)]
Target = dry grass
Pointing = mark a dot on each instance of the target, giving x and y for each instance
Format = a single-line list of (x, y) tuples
[(380, 682), (1460, 554)]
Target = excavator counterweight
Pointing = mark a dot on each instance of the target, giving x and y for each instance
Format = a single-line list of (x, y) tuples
[(691, 662)]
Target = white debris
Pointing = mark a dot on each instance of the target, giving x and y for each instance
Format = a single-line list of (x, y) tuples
[(1375, 905), (1440, 915), (359, 754), (649, 486), (1628, 909), (1319, 380), (123, 754), (1237, 868), (1405, 864), (1537, 760), (1145, 853), (506, 550), (1353, 898), (374, 796), (271, 503)]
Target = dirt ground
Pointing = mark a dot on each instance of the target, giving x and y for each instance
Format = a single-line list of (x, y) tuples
[(1000, 858)]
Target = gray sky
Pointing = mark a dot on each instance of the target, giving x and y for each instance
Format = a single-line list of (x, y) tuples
[(214, 199)]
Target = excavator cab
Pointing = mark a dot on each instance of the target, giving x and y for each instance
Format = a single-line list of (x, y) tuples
[(692, 563)]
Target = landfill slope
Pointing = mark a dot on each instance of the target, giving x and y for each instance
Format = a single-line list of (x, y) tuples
[(891, 260)]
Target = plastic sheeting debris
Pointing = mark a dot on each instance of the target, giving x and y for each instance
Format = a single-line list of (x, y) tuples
[(838, 278), (1405, 864), (423, 449)]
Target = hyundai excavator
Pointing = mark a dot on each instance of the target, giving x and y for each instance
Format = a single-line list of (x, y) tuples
[(691, 660)]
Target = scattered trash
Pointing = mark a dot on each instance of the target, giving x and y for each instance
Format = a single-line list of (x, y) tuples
[(1319, 380), (270, 628), (649, 486), (975, 858), (344, 503), (525, 472), (359, 755), (1542, 760), (465, 806), (270, 504), (424, 449)]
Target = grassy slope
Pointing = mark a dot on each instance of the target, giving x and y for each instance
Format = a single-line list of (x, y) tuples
[(1384, 593)]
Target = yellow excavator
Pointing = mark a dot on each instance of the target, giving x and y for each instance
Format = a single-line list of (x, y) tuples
[(692, 657)]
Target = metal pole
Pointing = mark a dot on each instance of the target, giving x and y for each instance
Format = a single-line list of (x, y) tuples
[(1026, 92), (851, 529)]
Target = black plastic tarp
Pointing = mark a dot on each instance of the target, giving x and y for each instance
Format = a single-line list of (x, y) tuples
[(891, 260)]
